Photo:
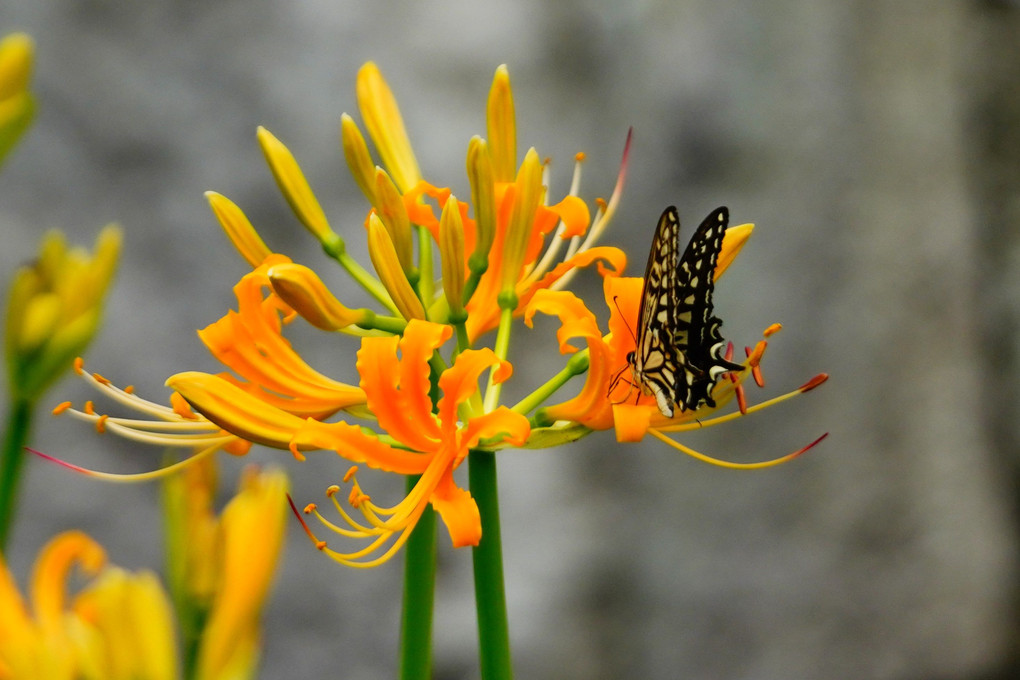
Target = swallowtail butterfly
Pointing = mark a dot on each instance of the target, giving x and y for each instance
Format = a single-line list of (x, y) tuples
[(678, 353)]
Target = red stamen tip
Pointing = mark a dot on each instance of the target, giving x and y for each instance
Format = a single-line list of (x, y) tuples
[(728, 356), (814, 382), (62, 463), (810, 446), (304, 525)]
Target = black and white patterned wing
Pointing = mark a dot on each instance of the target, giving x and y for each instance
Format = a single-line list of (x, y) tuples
[(700, 345), (654, 359)]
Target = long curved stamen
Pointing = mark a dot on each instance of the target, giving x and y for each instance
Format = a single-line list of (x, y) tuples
[(129, 477), (553, 249), (731, 465), (602, 219), (719, 420)]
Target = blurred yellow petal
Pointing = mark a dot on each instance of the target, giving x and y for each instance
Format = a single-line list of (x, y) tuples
[(251, 530)]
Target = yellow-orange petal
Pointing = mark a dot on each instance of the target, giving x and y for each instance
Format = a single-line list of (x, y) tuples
[(483, 189), (389, 206), (387, 265), (386, 127), (733, 242), (513, 426), (575, 215), (501, 126), (353, 444), (235, 410), (304, 291), (238, 229), (451, 255), (358, 159), (632, 421), (526, 200), (459, 382), (398, 392), (458, 511), (294, 186)]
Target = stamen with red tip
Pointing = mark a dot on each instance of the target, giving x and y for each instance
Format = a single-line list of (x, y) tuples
[(814, 382)]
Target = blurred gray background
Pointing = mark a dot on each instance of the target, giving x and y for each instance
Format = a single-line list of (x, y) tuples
[(874, 144)]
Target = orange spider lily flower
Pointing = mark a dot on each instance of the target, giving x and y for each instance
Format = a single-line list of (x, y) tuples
[(395, 379), (507, 244)]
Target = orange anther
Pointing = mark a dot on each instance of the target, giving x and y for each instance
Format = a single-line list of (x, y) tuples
[(90, 408), (61, 407), (332, 490), (741, 400), (814, 382), (350, 473), (100, 379), (320, 545), (79, 363), (601, 203), (101, 423), (130, 389), (579, 156), (310, 508), (181, 407), (772, 330)]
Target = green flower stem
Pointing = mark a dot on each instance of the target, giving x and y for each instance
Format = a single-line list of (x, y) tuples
[(419, 594), (425, 284), (337, 249), (19, 423), (487, 560), (501, 349), (577, 365)]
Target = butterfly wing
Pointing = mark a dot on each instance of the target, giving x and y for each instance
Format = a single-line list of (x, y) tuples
[(678, 354), (654, 360), (696, 335)]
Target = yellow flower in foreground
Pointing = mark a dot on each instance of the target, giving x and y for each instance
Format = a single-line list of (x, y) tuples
[(120, 627), (222, 567), (395, 379), (17, 106), (54, 308)]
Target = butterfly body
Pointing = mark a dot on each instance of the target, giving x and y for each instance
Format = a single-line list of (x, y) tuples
[(678, 354)]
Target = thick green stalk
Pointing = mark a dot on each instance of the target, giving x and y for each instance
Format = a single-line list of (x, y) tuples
[(487, 559), (19, 422), (419, 593)]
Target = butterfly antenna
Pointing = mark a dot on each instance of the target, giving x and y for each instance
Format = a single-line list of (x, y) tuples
[(626, 325)]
